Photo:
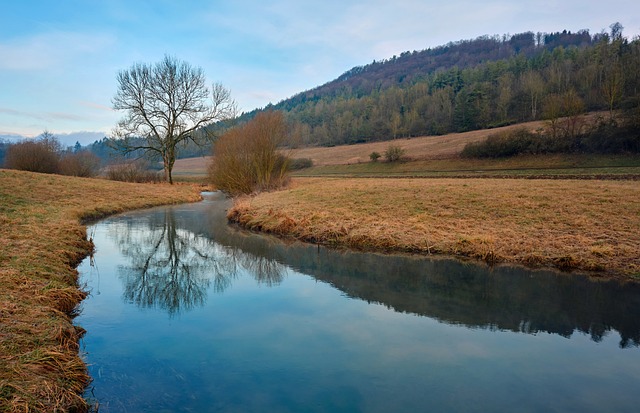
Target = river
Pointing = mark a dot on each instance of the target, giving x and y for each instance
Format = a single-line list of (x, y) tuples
[(189, 314)]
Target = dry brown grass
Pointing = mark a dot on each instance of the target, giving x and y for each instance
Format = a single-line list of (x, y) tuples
[(42, 240), (567, 224), (420, 148), (192, 166), (424, 147)]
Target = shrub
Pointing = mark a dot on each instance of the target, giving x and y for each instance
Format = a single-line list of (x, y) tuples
[(296, 164), (83, 163), (507, 143), (393, 153), (609, 137), (374, 156), (133, 171), (246, 158), (39, 155)]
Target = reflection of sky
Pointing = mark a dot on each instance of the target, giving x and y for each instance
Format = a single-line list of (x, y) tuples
[(304, 346)]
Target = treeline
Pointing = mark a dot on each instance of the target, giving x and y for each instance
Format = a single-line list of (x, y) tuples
[(45, 154), (604, 136), (108, 149), (468, 85), (106, 152)]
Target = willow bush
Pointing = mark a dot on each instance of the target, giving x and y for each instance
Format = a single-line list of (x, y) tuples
[(246, 159)]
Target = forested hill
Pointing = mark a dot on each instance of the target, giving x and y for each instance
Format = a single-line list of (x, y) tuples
[(470, 84), (412, 67)]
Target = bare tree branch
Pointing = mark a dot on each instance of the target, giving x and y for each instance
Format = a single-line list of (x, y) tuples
[(166, 104)]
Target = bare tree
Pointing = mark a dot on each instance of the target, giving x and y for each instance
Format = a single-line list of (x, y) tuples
[(533, 85), (167, 104), (612, 85)]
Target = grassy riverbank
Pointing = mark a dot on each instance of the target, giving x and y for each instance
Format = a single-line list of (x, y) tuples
[(42, 241), (590, 225)]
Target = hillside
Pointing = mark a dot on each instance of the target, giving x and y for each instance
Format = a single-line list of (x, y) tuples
[(469, 85), (419, 148)]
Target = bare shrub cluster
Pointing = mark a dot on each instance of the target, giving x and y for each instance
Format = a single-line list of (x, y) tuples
[(567, 135), (39, 155), (246, 158), (296, 164), (84, 164), (45, 155), (508, 143), (133, 171)]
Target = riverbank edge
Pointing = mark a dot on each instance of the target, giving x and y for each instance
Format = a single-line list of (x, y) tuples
[(49, 374), (566, 265), (278, 223)]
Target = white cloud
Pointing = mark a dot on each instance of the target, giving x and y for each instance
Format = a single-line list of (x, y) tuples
[(98, 106)]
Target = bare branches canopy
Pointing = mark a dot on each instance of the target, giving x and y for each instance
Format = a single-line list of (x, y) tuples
[(167, 104)]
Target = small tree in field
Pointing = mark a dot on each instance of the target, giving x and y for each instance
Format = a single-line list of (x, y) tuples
[(246, 159), (166, 104), (393, 153), (374, 156)]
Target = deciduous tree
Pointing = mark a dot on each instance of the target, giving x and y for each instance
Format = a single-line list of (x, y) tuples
[(166, 104), (533, 85)]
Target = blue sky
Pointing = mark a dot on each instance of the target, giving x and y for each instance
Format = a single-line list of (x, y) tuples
[(59, 59)]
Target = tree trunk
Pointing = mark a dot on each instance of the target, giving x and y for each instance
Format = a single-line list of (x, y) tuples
[(168, 166)]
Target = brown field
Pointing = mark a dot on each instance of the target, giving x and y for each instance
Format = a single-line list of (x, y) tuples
[(420, 148), (42, 241), (567, 224), (425, 147), (191, 167)]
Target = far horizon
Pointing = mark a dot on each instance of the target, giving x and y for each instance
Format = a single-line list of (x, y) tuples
[(67, 139)]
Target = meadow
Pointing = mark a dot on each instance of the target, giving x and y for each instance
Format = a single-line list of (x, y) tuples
[(43, 239), (572, 212), (585, 225), (418, 148)]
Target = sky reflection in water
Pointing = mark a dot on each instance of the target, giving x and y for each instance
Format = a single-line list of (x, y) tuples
[(189, 314)]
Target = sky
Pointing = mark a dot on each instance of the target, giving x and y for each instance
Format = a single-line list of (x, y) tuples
[(59, 59)]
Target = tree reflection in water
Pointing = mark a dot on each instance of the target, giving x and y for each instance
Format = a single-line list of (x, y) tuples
[(172, 268)]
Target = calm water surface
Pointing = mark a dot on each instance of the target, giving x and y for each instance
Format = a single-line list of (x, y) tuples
[(187, 314)]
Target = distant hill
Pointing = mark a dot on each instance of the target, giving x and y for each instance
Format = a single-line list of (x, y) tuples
[(468, 85), (415, 67), (66, 139), (11, 138)]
